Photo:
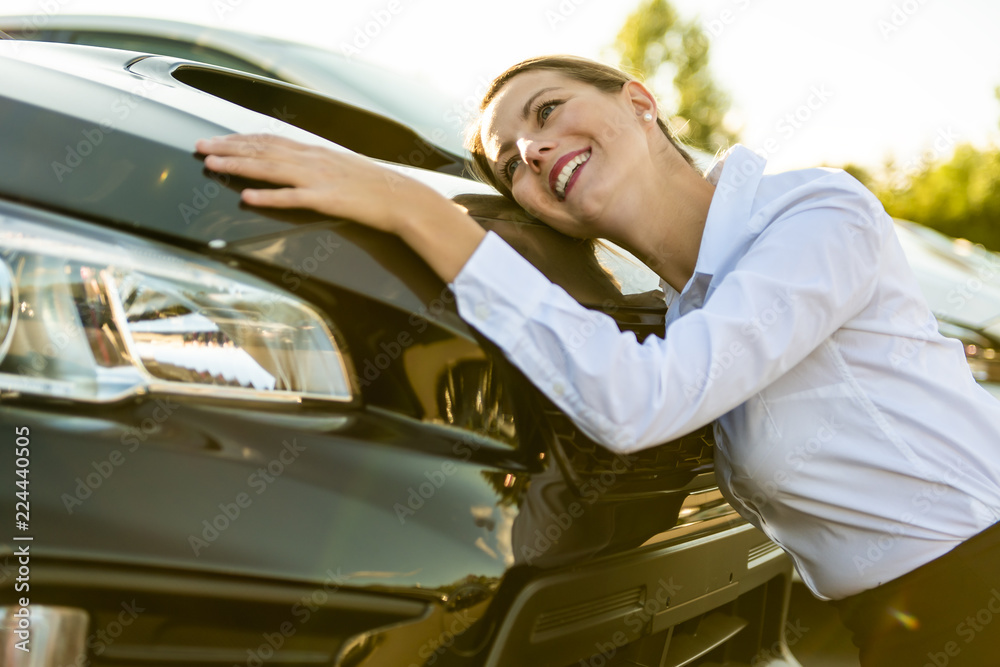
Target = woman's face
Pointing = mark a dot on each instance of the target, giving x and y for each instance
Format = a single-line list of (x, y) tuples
[(572, 155)]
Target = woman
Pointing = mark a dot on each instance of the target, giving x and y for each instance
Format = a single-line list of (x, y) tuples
[(848, 429)]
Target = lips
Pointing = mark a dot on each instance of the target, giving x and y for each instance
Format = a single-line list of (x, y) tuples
[(558, 168)]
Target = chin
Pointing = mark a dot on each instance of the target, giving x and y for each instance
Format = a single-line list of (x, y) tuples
[(590, 217)]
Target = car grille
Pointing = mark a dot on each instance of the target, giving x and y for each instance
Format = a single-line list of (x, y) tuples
[(741, 632), (668, 466), (712, 599)]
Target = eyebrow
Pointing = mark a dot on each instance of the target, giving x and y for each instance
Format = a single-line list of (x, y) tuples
[(525, 110)]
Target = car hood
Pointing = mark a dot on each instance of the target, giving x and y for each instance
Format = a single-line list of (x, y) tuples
[(350, 79), (121, 154), (122, 149)]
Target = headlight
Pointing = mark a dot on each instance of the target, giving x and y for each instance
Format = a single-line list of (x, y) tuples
[(95, 315), (980, 351)]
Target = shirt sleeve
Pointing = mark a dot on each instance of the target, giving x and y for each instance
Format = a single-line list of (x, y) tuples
[(811, 270)]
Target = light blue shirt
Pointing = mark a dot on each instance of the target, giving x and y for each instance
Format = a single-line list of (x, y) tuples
[(847, 428)]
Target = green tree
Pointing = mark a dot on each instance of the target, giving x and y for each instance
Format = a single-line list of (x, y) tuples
[(655, 38), (958, 196)]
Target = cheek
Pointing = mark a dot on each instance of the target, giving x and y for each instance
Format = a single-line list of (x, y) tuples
[(525, 198)]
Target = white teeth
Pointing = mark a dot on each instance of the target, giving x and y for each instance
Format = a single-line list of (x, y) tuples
[(567, 171)]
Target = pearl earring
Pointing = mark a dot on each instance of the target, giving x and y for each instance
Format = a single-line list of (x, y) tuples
[(647, 116)]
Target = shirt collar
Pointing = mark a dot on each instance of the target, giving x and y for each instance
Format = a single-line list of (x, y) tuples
[(735, 175)]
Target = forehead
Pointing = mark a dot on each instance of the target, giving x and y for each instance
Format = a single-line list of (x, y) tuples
[(502, 118)]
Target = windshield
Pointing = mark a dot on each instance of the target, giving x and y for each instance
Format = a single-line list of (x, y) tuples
[(407, 98)]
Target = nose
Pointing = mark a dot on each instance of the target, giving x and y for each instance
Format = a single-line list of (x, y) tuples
[(534, 152)]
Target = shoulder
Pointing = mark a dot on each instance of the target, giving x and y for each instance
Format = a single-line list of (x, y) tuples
[(804, 193)]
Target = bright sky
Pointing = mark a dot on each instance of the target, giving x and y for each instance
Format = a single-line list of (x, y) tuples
[(811, 82)]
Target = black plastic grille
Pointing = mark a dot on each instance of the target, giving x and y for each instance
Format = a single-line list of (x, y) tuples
[(691, 454)]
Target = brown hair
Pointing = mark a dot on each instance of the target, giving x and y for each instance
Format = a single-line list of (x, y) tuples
[(602, 77)]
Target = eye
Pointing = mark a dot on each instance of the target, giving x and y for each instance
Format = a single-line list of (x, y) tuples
[(545, 109), (510, 166)]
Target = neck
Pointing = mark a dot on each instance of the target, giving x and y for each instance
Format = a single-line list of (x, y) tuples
[(669, 243)]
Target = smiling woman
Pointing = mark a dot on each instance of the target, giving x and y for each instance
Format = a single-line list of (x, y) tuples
[(795, 324), (605, 170), (600, 77)]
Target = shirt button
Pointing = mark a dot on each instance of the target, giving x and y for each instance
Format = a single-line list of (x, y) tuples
[(558, 389), (482, 311)]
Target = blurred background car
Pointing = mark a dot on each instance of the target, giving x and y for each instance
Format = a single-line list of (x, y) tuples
[(961, 282)]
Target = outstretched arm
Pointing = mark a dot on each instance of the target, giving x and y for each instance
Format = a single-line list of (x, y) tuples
[(809, 273), (624, 394), (346, 185)]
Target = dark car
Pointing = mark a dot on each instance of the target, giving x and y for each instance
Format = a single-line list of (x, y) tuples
[(342, 73), (236, 436)]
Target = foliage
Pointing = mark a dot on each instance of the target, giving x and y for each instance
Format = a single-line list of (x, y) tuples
[(654, 37), (959, 196)]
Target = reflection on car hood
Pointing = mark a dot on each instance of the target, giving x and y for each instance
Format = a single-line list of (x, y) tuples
[(122, 150), (958, 279), (121, 153), (350, 79)]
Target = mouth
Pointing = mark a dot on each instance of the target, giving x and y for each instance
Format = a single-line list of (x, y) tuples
[(565, 171)]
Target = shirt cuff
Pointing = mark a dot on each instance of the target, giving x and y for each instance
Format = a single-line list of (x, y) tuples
[(498, 290)]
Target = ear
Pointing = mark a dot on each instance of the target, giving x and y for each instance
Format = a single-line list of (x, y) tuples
[(640, 99)]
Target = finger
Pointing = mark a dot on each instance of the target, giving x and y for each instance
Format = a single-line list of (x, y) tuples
[(276, 198), (273, 171), (249, 145), (307, 198)]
